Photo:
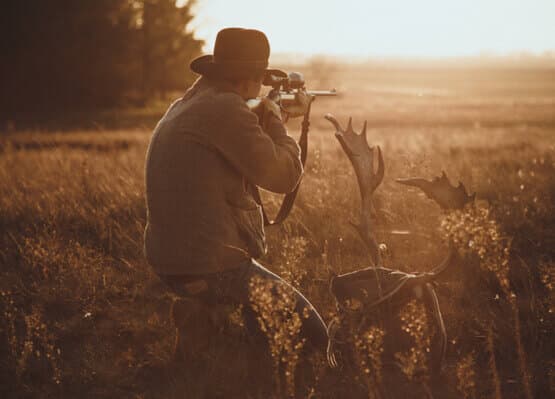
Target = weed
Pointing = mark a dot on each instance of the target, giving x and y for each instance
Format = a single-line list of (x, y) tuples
[(274, 304)]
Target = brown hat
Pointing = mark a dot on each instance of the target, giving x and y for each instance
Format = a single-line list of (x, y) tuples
[(238, 53)]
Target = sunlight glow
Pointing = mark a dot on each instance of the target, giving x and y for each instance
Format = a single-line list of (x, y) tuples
[(387, 28)]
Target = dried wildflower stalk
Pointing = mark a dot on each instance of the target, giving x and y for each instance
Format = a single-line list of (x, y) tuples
[(414, 321), (38, 337), (9, 315), (466, 376), (293, 252), (490, 346), (274, 302), (369, 349), (38, 341), (236, 317), (475, 231)]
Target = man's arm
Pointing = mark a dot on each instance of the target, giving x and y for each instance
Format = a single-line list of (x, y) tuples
[(267, 158)]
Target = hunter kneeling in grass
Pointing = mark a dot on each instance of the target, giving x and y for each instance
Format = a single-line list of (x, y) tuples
[(206, 158)]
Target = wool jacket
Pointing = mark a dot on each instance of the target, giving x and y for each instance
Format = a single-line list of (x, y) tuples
[(205, 157)]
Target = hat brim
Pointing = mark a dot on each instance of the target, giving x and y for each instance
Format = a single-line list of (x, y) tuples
[(205, 65)]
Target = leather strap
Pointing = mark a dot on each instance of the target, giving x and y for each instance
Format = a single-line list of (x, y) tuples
[(289, 199)]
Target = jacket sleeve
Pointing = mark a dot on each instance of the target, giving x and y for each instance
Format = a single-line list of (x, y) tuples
[(269, 159)]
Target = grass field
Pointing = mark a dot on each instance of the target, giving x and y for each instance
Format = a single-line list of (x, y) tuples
[(82, 315)]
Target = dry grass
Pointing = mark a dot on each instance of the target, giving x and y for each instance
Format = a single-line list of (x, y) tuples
[(82, 314)]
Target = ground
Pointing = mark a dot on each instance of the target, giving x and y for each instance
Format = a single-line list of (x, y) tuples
[(83, 315)]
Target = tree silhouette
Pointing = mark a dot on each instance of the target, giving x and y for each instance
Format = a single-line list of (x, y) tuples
[(66, 54), (167, 45)]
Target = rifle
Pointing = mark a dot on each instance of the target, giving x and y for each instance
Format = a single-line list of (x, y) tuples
[(284, 87)]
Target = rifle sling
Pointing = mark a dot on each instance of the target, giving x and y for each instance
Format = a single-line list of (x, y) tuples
[(289, 199)]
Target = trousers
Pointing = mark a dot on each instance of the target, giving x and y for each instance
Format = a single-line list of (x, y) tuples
[(232, 287)]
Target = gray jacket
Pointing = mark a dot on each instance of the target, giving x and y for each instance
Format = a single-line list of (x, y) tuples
[(204, 157)]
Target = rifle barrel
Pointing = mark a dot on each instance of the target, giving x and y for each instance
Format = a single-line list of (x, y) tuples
[(318, 93), (284, 95)]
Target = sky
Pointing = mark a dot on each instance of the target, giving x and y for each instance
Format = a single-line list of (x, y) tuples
[(423, 28)]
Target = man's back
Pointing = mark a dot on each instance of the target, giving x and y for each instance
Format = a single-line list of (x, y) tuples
[(205, 155)]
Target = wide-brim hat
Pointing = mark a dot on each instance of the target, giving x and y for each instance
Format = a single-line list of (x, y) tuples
[(238, 53)]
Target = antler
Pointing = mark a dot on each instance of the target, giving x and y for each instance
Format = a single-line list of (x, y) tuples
[(441, 191), (361, 156)]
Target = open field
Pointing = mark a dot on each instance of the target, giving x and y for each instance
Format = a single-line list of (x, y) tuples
[(83, 316)]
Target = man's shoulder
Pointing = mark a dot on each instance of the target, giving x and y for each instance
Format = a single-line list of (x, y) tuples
[(226, 100), (208, 102), (206, 95)]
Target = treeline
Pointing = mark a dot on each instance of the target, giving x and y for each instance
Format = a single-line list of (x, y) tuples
[(79, 54)]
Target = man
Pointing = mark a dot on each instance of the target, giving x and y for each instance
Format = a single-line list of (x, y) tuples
[(206, 157)]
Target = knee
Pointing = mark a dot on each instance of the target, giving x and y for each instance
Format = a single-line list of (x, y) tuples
[(193, 323)]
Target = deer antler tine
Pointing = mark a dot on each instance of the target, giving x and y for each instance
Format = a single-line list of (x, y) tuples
[(381, 168), (441, 191), (363, 133), (361, 156), (334, 121), (412, 181)]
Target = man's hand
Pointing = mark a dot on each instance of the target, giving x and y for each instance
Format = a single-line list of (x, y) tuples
[(298, 106), (265, 109)]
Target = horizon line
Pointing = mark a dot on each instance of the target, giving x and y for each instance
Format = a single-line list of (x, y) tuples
[(522, 55)]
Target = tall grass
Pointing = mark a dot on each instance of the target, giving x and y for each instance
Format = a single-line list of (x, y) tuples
[(83, 315)]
